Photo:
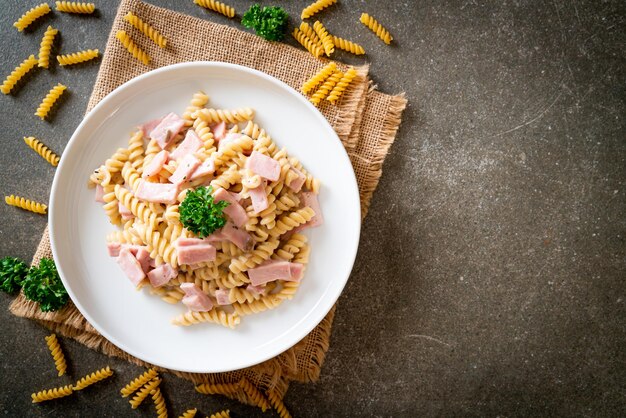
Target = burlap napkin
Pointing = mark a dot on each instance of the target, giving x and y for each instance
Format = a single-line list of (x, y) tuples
[(365, 120)]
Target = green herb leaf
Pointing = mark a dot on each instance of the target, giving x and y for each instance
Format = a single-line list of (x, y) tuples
[(12, 273), (200, 214), (43, 284), (270, 22)]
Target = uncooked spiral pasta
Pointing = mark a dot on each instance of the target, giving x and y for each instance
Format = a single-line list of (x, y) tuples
[(217, 388), (310, 33), (43, 111), (325, 89), (78, 57), (46, 395), (341, 85), (190, 413), (92, 378), (319, 77), (316, 7), (216, 6), (159, 403), (221, 414), (141, 380), (377, 28), (146, 29), (75, 7), (46, 46), (42, 150), (132, 47), (57, 353), (327, 40), (315, 49), (25, 204), (349, 46), (17, 74), (31, 15), (143, 392), (278, 404)]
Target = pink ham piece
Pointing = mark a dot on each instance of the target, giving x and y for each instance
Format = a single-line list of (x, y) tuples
[(156, 165), (221, 295), (297, 183), (310, 199), (157, 192), (99, 194), (219, 130), (264, 166), (143, 256), (256, 290), (190, 144), (167, 129), (231, 233), (114, 248), (195, 253), (185, 169), (275, 270), (161, 275), (204, 169), (124, 211), (130, 266), (148, 127), (236, 212), (195, 299), (259, 198)]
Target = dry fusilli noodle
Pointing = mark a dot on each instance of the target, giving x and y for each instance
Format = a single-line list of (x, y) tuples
[(255, 395), (75, 7), (132, 47), (46, 104), (190, 413), (316, 7), (221, 414), (315, 49), (159, 403), (17, 74), (78, 57), (92, 378), (46, 395), (325, 89), (46, 46), (143, 393), (146, 29), (310, 33), (217, 388), (377, 28), (217, 6), (57, 353), (278, 404), (327, 40), (31, 15), (319, 77), (42, 150), (349, 46), (25, 204), (341, 86), (141, 380), (215, 316)]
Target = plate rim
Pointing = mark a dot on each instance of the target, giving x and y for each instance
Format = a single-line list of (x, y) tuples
[(299, 333)]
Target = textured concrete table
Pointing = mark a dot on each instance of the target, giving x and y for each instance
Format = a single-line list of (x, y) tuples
[(490, 276)]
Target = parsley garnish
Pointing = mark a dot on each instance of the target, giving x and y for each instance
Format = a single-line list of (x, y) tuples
[(12, 273), (43, 284), (200, 214), (269, 22)]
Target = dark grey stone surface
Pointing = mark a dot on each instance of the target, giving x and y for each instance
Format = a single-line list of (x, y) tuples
[(490, 275)]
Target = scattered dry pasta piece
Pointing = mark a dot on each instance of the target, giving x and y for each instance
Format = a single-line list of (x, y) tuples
[(138, 382), (310, 33), (25, 204), (78, 57), (255, 395), (316, 7), (132, 47), (341, 85), (278, 405), (216, 6), (46, 46), (190, 413), (92, 378), (31, 15), (159, 403), (146, 29), (57, 353), (144, 392), (349, 46), (327, 40), (326, 88), (222, 414), (306, 42), (75, 7), (46, 104), (42, 150), (319, 77), (377, 28), (217, 388), (19, 72), (46, 395)]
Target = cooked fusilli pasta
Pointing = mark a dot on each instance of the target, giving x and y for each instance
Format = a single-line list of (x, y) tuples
[(78, 57), (341, 86), (46, 46), (132, 47), (75, 7), (141, 380), (17, 74), (215, 316), (198, 101), (325, 89), (31, 15), (316, 7), (377, 28), (57, 353), (25, 204), (143, 393), (42, 150), (311, 46), (43, 111), (349, 46), (321, 76), (224, 115), (92, 378), (217, 6), (327, 40), (146, 29), (46, 395)]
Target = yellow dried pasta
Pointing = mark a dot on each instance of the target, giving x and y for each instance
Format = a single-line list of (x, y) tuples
[(319, 77), (327, 40), (377, 28), (217, 6), (306, 42), (349, 46), (146, 29), (132, 47), (159, 403), (57, 353), (316, 7), (25, 204), (17, 74), (221, 414), (92, 378), (341, 85), (325, 89), (42, 150), (278, 405), (217, 388), (49, 394), (78, 57), (46, 46), (31, 15), (75, 7), (143, 393), (190, 413), (254, 394), (43, 111), (141, 380), (310, 33)]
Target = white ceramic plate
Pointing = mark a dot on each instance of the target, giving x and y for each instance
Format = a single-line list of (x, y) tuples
[(138, 322)]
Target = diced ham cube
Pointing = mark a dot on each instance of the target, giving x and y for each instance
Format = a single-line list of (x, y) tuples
[(237, 236), (204, 169), (275, 270), (222, 297), (156, 164), (256, 290), (297, 183), (188, 242), (130, 266), (195, 299), (114, 248), (193, 254), (264, 166), (310, 199), (148, 127), (167, 129), (185, 169), (161, 275), (259, 198), (99, 194), (296, 272), (157, 192), (143, 256), (190, 144), (219, 130), (234, 210), (124, 211)]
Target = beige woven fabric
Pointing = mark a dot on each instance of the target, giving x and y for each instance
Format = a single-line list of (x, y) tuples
[(365, 120)]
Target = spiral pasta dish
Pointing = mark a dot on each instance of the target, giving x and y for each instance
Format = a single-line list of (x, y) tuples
[(210, 212)]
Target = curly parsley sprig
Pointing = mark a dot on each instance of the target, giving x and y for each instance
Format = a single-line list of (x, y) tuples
[(200, 214), (43, 284), (12, 273), (270, 22)]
